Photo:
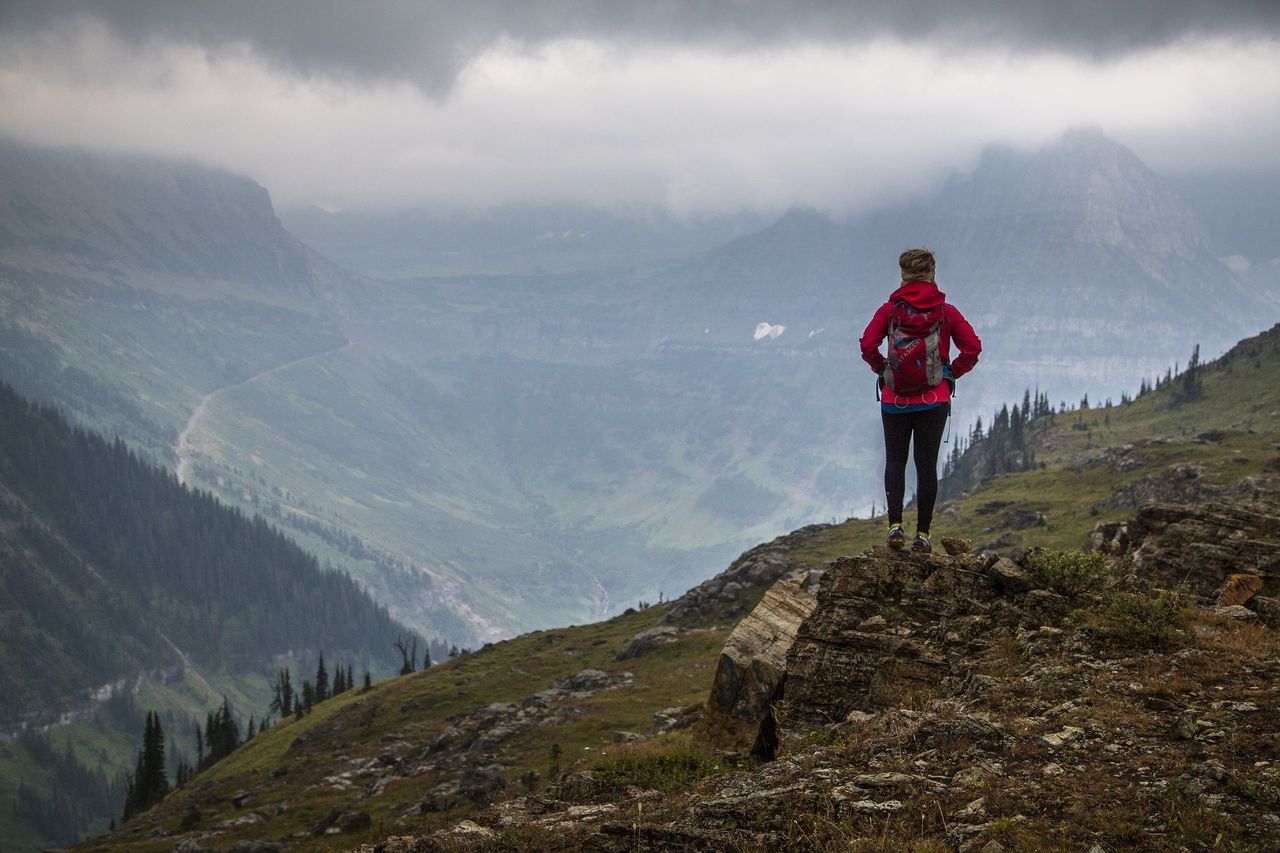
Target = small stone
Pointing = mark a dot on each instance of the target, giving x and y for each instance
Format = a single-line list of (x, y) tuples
[(1214, 770), (1059, 739), (1052, 770), (869, 806), (873, 623), (955, 546), (993, 847), (977, 808), (471, 830), (856, 716), (1186, 727), (1235, 611)]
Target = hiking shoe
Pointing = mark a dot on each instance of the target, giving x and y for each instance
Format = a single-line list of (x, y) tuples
[(897, 537), (921, 545)]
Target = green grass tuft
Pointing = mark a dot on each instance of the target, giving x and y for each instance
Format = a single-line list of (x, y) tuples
[(658, 765)]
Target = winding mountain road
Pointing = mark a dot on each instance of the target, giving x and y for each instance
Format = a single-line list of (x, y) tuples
[(183, 449)]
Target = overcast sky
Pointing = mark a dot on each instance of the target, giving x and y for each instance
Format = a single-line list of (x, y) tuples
[(699, 107)]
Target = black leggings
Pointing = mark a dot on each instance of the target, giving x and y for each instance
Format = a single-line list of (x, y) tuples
[(898, 428)]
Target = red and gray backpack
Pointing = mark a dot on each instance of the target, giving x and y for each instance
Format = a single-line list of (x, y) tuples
[(914, 363)]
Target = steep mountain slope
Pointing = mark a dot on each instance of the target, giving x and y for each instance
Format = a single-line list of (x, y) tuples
[(117, 581), (421, 752), (136, 293)]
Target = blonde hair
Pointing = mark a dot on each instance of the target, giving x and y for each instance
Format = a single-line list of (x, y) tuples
[(917, 265)]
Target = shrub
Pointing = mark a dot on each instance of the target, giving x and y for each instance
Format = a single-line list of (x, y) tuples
[(1144, 621), (1070, 573)]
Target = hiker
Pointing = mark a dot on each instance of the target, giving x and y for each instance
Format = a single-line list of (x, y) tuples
[(915, 385)]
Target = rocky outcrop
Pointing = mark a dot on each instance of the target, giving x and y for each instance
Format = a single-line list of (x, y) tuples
[(760, 566), (957, 702), (885, 626), (1199, 545), (1184, 482), (753, 666)]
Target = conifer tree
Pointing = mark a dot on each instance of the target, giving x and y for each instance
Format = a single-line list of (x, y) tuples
[(321, 690), (150, 783)]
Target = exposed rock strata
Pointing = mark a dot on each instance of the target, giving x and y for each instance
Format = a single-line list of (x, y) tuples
[(752, 667), (1199, 545)]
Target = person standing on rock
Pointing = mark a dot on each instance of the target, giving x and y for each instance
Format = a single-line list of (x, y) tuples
[(915, 383)]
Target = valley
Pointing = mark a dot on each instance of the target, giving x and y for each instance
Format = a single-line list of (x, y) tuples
[(552, 738), (183, 450)]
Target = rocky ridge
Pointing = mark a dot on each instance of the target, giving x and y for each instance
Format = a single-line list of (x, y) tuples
[(961, 700)]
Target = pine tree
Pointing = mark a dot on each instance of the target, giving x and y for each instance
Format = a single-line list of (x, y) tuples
[(282, 703), (368, 680), (150, 783), (321, 690), (1191, 389)]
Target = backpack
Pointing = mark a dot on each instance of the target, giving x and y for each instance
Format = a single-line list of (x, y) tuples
[(914, 363)]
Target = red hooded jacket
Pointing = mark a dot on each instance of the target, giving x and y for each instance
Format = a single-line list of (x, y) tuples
[(924, 296)]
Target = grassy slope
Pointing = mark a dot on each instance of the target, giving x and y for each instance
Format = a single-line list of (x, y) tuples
[(1240, 397)]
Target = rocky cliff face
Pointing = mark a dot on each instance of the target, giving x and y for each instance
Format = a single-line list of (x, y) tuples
[(974, 702), (145, 221)]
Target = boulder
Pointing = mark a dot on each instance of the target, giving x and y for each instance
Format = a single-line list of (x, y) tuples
[(585, 681), (672, 719), (1238, 589), (1009, 577), (355, 822), (1267, 608), (752, 667), (647, 641)]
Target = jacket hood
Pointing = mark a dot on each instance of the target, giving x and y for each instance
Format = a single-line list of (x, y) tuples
[(921, 295)]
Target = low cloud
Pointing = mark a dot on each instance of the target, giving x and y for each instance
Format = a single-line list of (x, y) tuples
[(431, 41), (694, 127)]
